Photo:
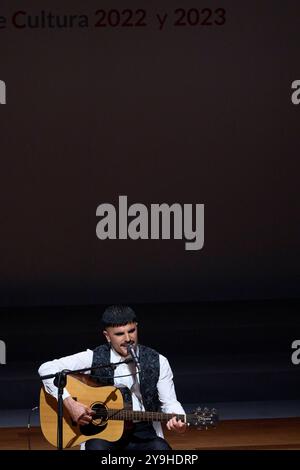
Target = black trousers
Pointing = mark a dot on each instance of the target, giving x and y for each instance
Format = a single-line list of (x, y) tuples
[(141, 437)]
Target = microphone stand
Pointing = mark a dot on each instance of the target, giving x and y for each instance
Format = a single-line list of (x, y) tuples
[(60, 381)]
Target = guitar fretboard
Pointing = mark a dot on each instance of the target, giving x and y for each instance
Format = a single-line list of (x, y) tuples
[(130, 415)]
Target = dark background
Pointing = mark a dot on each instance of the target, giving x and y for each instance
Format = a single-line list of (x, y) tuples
[(188, 114)]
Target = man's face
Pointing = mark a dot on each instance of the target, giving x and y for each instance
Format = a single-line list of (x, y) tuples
[(121, 336)]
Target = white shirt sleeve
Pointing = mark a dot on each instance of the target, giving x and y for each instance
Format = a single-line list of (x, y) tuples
[(166, 389), (80, 360)]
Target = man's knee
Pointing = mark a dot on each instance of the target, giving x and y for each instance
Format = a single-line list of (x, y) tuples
[(160, 444), (99, 444)]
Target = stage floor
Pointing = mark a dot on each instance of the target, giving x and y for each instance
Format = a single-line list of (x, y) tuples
[(230, 435)]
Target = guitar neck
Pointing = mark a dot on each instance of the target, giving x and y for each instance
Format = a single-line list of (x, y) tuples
[(131, 415)]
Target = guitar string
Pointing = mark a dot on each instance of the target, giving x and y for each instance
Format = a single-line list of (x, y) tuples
[(149, 415)]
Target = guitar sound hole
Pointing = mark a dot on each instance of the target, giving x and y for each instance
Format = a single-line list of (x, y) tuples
[(99, 422), (101, 416)]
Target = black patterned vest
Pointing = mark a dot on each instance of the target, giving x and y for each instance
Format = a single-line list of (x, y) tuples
[(149, 375)]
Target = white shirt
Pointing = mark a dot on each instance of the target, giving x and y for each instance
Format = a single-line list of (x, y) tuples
[(82, 360)]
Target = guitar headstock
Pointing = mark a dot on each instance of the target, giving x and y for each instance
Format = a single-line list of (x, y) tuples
[(203, 418)]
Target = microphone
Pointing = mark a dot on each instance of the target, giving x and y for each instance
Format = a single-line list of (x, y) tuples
[(131, 351)]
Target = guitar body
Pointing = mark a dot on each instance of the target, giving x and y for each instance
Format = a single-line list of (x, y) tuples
[(113, 413), (88, 392)]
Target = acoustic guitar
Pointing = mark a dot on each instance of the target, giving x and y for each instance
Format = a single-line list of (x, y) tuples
[(113, 411)]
